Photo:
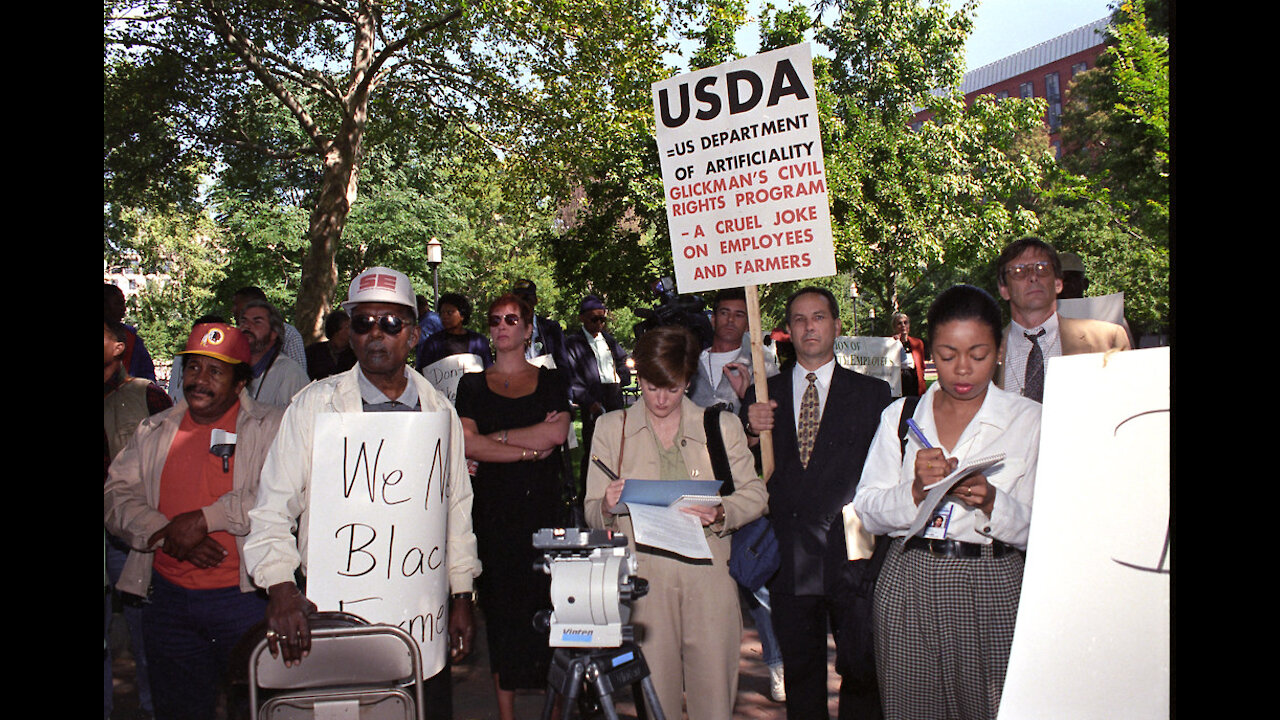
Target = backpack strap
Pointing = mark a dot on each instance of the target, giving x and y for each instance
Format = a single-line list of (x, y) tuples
[(716, 449), (908, 410)]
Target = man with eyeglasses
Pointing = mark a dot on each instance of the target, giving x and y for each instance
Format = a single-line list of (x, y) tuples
[(597, 371), (383, 331), (1029, 275)]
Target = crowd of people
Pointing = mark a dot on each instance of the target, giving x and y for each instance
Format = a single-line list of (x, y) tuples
[(206, 487)]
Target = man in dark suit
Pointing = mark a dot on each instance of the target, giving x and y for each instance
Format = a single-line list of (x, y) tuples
[(548, 336), (838, 410), (597, 371)]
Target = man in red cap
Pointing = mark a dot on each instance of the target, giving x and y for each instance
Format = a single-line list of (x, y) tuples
[(179, 493)]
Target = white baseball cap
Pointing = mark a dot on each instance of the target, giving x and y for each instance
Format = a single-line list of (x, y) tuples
[(381, 285)]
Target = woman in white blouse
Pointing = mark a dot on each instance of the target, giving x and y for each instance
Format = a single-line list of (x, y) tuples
[(947, 598)]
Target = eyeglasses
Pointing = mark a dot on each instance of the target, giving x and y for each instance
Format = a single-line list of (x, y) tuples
[(509, 318), (391, 324), (597, 318), (1036, 269)]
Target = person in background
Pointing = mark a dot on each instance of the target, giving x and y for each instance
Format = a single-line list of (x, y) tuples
[(334, 354), (276, 377), (1029, 274), (292, 339), (723, 376), (548, 336), (912, 356), (515, 416), (137, 361), (455, 338), (597, 368), (126, 402), (947, 598)]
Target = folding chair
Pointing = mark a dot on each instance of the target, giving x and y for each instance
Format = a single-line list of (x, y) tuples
[(355, 671)]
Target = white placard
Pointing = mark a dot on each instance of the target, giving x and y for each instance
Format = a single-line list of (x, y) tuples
[(743, 174), (1092, 639), (445, 373), (379, 514), (877, 357)]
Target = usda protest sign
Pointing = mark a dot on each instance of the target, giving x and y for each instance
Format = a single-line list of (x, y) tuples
[(378, 520), (743, 174)]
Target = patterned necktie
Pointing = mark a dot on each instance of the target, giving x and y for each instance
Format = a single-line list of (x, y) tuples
[(808, 430), (1034, 385)]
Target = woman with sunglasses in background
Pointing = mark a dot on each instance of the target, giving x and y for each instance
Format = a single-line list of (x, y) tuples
[(455, 338), (515, 417)]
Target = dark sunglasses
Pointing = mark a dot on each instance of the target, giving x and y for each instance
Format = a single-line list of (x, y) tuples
[(391, 324), (510, 318)]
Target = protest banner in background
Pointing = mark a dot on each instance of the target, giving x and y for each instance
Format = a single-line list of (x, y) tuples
[(743, 173), (1092, 637), (378, 518), (445, 373), (877, 357)]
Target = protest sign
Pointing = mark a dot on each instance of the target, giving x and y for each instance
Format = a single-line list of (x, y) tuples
[(742, 169), (378, 518), (1092, 637), (877, 357), (445, 373)]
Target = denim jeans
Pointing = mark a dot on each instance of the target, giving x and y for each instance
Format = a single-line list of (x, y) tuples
[(189, 637), (757, 604), (117, 552)]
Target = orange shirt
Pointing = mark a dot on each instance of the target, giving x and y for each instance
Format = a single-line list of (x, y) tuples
[(193, 478)]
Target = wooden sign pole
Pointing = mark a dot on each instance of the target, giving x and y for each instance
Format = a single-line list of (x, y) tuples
[(761, 378)]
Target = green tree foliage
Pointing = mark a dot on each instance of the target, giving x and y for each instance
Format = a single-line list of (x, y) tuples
[(1110, 203), (348, 73), (908, 202)]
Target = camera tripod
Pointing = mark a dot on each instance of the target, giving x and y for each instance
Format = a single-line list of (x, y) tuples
[(606, 670)]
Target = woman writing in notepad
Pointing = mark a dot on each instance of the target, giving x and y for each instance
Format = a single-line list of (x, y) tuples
[(946, 600), (690, 620)]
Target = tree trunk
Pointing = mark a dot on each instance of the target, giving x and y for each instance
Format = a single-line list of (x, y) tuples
[(328, 219)]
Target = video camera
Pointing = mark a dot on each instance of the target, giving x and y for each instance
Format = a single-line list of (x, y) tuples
[(685, 310), (593, 580)]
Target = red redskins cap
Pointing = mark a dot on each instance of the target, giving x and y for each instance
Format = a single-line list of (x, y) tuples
[(219, 341)]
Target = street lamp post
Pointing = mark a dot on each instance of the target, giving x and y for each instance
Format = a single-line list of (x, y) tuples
[(434, 258)]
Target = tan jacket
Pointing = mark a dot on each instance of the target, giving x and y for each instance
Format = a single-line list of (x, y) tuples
[(1079, 336), (749, 500), (132, 492)]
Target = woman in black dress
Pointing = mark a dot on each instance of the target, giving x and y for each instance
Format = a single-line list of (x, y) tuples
[(515, 417)]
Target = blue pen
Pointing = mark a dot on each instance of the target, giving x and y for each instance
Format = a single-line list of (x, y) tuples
[(919, 435)]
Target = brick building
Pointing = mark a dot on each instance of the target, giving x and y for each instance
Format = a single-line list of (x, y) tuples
[(1044, 70)]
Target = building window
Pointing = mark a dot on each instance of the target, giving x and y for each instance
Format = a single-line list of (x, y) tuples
[(1078, 68), (1054, 96), (1002, 95), (1026, 90)]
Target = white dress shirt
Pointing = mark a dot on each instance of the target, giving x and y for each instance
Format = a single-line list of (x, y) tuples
[(1015, 363), (1006, 422), (799, 383)]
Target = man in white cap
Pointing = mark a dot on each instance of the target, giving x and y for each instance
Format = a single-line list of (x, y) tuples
[(383, 331)]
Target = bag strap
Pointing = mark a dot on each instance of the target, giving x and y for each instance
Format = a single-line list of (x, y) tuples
[(908, 411), (715, 448), (622, 444)]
